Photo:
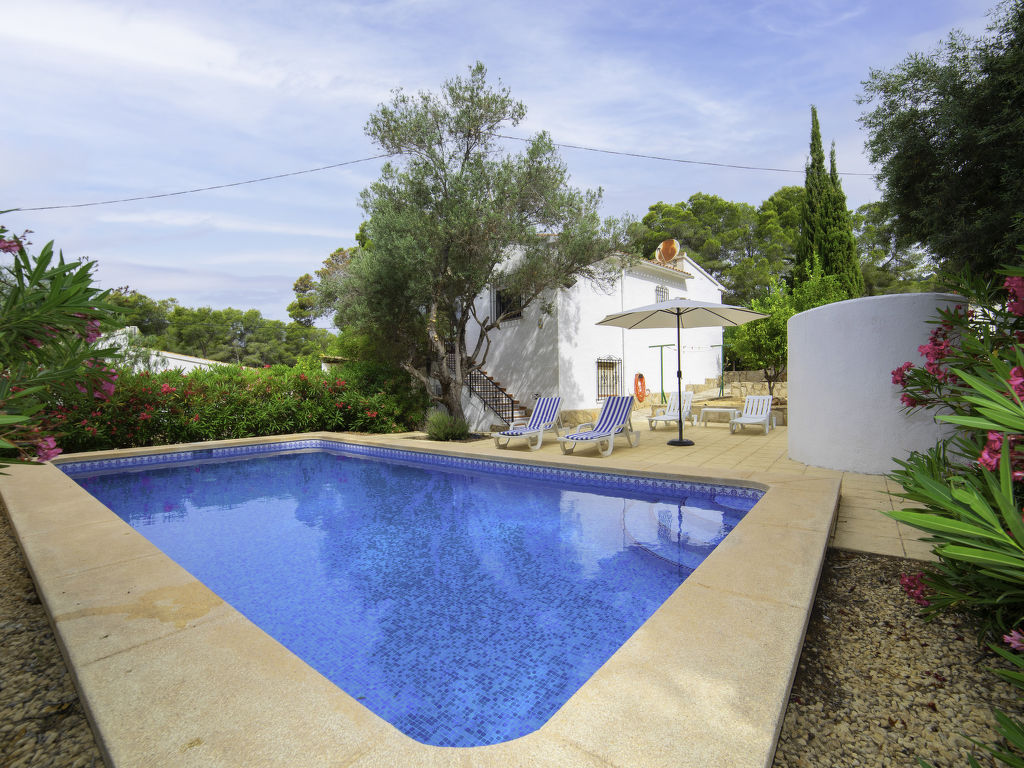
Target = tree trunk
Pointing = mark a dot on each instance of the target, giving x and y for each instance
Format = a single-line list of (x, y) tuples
[(451, 396), (451, 383)]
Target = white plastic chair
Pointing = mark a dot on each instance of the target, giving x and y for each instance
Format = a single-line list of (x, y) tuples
[(614, 419), (543, 418), (757, 410), (670, 412)]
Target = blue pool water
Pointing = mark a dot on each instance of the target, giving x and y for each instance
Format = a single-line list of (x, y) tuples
[(463, 606)]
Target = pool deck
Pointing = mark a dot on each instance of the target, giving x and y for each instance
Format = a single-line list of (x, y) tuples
[(170, 675)]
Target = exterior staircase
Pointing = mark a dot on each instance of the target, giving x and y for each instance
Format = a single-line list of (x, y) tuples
[(493, 395)]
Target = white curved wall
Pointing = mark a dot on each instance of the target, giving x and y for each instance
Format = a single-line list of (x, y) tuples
[(844, 410)]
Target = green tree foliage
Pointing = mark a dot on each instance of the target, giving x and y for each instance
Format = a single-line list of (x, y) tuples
[(816, 182), (764, 344), (778, 227), (303, 309), (826, 233), (228, 335), (947, 131), (838, 250), (741, 246), (150, 316), (888, 263), (457, 216), (318, 297)]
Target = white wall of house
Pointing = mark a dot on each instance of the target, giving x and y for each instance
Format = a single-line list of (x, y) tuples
[(523, 353), (582, 342), (558, 353)]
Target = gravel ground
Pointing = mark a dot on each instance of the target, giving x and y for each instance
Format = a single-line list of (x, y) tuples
[(41, 719), (876, 685)]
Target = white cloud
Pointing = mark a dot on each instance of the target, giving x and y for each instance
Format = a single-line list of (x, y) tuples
[(131, 38), (219, 221)]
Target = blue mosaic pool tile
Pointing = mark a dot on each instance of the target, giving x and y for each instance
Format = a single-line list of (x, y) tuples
[(744, 497), (462, 606)]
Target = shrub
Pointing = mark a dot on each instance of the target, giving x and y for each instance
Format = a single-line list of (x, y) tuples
[(220, 403), (441, 425), (51, 318), (970, 486)]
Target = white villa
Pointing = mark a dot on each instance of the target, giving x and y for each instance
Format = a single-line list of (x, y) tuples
[(566, 353)]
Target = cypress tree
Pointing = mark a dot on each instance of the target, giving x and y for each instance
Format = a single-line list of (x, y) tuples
[(826, 230), (837, 247), (816, 183)]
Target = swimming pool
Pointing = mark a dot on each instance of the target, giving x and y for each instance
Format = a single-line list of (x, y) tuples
[(458, 616)]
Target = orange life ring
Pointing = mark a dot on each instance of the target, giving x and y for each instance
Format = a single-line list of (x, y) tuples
[(639, 387)]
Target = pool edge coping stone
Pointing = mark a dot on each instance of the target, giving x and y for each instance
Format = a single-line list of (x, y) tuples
[(661, 690)]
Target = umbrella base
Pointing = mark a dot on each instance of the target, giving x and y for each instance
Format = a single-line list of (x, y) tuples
[(680, 442)]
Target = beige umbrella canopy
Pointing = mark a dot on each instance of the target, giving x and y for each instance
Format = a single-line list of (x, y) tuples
[(679, 314)]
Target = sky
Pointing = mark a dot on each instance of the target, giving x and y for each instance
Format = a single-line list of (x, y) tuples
[(107, 100)]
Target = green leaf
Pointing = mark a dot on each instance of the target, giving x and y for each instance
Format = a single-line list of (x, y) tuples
[(938, 524), (983, 557)]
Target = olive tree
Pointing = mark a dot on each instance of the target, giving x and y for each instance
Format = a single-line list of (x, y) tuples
[(453, 215)]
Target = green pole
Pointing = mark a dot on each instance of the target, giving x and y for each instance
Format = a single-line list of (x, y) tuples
[(661, 356), (721, 375)]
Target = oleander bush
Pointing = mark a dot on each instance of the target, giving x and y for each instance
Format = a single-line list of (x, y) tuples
[(968, 490), (220, 403), (51, 321)]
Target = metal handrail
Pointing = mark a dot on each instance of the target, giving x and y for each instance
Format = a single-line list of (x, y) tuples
[(484, 387)]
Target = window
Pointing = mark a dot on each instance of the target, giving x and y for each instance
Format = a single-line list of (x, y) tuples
[(609, 377), (660, 294), (502, 301)]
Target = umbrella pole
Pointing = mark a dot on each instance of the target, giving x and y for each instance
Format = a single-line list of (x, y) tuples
[(679, 382)]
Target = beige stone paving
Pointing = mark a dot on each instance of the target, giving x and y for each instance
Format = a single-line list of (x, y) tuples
[(860, 526)]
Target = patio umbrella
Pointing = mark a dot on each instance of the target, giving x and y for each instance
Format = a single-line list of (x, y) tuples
[(679, 314)]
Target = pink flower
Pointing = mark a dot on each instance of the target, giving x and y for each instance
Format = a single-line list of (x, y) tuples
[(1015, 640), (144, 416), (1015, 287), (372, 414), (167, 389), (992, 452), (92, 331), (47, 448), (913, 584), (1017, 381), (899, 375), (9, 246), (989, 459), (196, 417), (908, 401)]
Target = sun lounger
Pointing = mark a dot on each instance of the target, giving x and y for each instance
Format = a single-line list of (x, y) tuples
[(670, 413), (757, 410), (613, 419), (543, 418)]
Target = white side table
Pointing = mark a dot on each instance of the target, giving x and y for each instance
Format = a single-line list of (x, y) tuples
[(733, 413)]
